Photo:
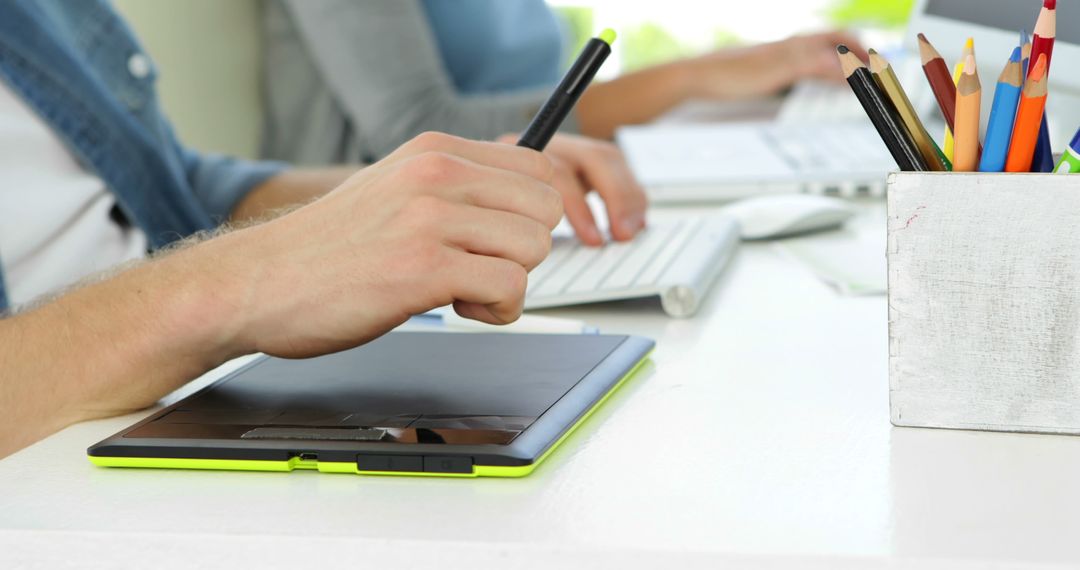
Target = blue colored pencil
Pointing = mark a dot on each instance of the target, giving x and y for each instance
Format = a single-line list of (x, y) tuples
[(1025, 50), (1002, 114)]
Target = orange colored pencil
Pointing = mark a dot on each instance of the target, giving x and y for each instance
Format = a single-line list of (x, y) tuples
[(968, 103), (1028, 119)]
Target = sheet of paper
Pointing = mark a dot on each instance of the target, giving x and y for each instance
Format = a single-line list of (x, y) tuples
[(851, 259)]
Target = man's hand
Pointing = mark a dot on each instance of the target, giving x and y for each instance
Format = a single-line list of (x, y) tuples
[(440, 221), (584, 165)]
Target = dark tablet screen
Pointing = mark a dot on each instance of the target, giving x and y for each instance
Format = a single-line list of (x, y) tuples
[(402, 388)]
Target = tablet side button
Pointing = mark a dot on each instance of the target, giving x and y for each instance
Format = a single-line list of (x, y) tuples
[(446, 464), (413, 463)]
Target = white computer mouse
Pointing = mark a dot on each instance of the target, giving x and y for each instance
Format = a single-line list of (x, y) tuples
[(768, 217)]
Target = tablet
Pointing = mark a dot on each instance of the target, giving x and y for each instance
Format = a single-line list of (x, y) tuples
[(409, 403)]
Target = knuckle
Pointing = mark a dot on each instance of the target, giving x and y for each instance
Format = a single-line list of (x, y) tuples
[(545, 167), (515, 279), (554, 207), (431, 140), (541, 246), (433, 168)]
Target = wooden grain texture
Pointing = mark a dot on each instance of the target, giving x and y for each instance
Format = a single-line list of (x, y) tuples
[(984, 301)]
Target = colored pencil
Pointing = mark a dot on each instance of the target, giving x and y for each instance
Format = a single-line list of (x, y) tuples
[(881, 112), (1028, 117), (1002, 112), (1042, 159), (969, 48), (890, 84), (1045, 31), (1043, 44), (968, 105), (1070, 159), (1025, 50), (941, 83)]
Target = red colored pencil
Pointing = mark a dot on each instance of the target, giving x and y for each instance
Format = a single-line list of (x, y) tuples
[(940, 78), (1045, 31)]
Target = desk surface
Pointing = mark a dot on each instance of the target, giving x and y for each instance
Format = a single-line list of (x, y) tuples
[(783, 379)]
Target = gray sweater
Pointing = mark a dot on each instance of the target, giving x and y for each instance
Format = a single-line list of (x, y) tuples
[(350, 80)]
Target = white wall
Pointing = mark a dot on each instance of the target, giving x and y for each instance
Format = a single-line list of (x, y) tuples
[(207, 52)]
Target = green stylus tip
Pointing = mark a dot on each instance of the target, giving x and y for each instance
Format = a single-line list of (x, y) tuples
[(608, 36)]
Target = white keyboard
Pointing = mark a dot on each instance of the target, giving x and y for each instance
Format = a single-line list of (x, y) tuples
[(678, 261), (729, 161)]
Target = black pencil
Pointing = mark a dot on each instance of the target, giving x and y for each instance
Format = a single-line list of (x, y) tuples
[(881, 112)]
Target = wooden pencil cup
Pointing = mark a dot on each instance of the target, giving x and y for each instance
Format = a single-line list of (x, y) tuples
[(984, 301)]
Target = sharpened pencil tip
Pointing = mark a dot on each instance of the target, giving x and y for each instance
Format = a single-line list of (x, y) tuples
[(842, 49), (1050, 4), (1015, 57)]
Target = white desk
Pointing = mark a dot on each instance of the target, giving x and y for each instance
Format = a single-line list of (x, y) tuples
[(759, 438)]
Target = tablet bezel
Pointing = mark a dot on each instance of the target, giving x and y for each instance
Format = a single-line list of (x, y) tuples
[(517, 458)]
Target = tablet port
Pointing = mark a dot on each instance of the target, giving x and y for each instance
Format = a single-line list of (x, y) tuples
[(307, 456)]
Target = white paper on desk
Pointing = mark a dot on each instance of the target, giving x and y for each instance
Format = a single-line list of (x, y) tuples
[(445, 319), (851, 261)]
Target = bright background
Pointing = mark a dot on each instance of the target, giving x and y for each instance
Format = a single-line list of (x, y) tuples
[(653, 32), (208, 49)]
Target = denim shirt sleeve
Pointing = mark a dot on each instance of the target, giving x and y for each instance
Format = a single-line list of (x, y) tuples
[(220, 182)]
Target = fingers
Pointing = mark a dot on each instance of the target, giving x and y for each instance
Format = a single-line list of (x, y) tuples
[(603, 168), (497, 234), (487, 289), (573, 192), (510, 192), (495, 155), (457, 180), (577, 209)]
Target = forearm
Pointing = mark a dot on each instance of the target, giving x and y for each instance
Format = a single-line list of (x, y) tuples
[(114, 346), (644, 95), (637, 97), (288, 189)]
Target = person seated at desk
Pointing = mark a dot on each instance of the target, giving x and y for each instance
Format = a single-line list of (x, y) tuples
[(350, 80), (91, 177)]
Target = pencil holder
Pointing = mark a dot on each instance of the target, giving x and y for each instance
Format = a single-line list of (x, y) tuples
[(984, 301)]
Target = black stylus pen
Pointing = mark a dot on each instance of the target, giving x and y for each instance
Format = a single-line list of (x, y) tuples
[(558, 106)]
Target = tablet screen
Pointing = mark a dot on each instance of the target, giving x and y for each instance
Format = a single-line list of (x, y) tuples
[(402, 388)]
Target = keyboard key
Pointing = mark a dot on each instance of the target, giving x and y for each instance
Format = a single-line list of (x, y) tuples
[(687, 254), (577, 262), (610, 257), (675, 244), (561, 247), (646, 248)]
